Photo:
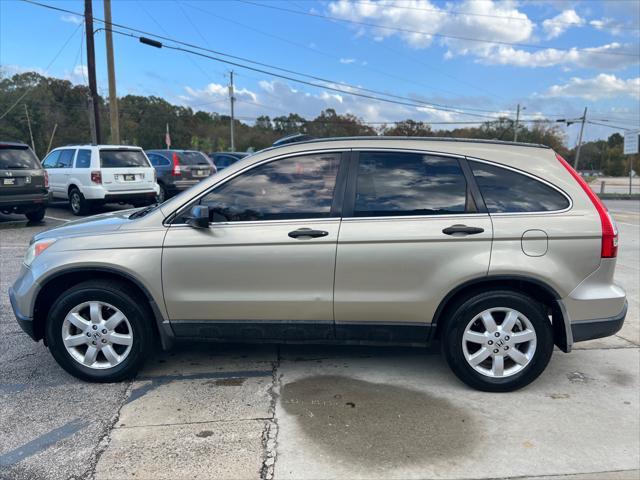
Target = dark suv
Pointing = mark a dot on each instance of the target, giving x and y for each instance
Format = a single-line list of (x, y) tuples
[(24, 185), (178, 170)]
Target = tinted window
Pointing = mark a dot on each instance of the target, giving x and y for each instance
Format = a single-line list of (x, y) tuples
[(193, 158), (157, 160), (122, 159), (83, 159), (299, 187), (224, 161), (392, 183), (52, 160), (13, 158), (507, 191), (65, 160)]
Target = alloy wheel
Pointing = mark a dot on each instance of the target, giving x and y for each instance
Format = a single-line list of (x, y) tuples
[(499, 342), (97, 335)]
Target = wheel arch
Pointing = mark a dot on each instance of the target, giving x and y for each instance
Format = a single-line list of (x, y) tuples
[(532, 287), (56, 284)]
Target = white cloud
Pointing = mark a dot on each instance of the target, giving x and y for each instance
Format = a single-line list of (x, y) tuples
[(597, 88), (577, 58), (72, 19), (347, 61), (276, 98), (556, 26), (482, 23)]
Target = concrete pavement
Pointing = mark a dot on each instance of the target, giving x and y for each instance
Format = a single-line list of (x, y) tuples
[(210, 411)]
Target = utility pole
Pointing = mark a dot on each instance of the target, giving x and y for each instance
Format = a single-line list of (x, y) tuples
[(515, 128), (232, 99), (113, 98), (91, 66), (583, 119), (33, 144)]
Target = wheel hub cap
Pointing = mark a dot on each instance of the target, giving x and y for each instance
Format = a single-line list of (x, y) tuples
[(499, 342), (97, 335)]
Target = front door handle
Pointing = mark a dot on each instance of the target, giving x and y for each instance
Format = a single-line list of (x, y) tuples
[(308, 232), (462, 229)]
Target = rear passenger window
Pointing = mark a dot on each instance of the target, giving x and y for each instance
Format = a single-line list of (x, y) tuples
[(505, 191), (83, 159), (392, 183), (65, 160)]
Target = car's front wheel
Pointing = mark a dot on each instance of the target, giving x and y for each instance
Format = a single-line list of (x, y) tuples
[(97, 332), (498, 341)]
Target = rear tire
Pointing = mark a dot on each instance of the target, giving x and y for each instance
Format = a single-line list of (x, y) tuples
[(36, 215), (98, 332), (78, 204), (498, 341), (162, 196)]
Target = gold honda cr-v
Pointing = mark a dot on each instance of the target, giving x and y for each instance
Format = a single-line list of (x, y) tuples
[(496, 250)]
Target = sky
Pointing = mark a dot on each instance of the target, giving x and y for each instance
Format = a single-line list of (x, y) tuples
[(462, 61)]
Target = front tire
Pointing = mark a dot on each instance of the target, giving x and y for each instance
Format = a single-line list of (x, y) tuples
[(498, 341), (98, 332)]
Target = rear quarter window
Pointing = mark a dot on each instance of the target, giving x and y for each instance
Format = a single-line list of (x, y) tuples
[(506, 191), (123, 159)]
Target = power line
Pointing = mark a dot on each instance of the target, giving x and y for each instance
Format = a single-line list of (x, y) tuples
[(414, 102), (329, 55), (615, 127), (486, 15), (64, 45), (435, 34)]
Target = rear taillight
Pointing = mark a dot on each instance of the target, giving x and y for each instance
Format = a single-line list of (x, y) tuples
[(609, 247), (96, 176), (176, 172), (46, 179)]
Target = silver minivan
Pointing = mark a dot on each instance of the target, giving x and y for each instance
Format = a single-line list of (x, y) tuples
[(496, 250)]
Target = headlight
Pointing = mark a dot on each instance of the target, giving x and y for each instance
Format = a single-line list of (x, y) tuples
[(35, 249)]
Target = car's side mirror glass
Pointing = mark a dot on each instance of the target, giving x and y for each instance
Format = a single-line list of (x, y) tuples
[(199, 216)]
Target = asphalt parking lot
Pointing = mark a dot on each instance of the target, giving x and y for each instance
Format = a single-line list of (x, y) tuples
[(292, 412)]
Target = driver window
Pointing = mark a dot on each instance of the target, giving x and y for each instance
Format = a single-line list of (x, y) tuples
[(291, 188)]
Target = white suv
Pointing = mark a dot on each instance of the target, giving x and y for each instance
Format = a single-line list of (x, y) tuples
[(87, 175)]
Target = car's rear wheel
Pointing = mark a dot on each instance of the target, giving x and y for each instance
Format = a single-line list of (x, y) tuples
[(36, 215), (498, 341), (78, 204), (162, 195), (97, 332)]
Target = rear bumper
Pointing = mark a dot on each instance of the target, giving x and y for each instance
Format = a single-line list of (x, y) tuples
[(99, 192), (598, 328), (130, 197), (31, 201)]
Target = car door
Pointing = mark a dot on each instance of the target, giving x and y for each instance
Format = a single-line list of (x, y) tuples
[(64, 171), (413, 229), (50, 164), (267, 260)]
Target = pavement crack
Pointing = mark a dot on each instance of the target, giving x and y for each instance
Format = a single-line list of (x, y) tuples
[(270, 431), (105, 439)]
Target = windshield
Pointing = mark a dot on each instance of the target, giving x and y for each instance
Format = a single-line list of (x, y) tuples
[(17, 158), (122, 159), (193, 158)]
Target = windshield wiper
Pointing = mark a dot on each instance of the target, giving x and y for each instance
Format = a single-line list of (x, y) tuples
[(15, 167), (143, 212)]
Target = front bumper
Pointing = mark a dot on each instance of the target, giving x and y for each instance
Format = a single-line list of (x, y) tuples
[(598, 328), (25, 322)]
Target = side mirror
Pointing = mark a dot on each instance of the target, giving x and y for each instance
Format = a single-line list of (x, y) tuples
[(199, 216)]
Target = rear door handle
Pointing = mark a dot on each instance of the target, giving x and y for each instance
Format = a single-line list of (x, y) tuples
[(462, 229), (308, 232)]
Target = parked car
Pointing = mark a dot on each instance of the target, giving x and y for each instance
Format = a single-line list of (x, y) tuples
[(223, 160), (24, 186), (498, 250), (178, 170), (90, 175)]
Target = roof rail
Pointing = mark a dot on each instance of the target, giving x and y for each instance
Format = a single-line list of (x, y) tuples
[(424, 139)]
